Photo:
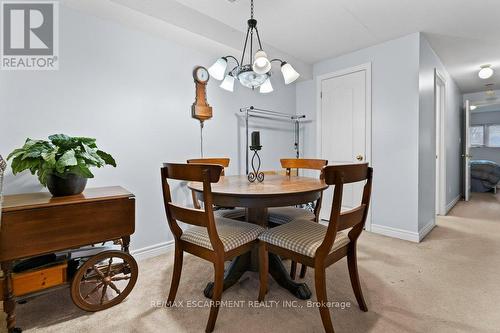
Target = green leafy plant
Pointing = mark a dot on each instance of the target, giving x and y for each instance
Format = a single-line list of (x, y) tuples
[(60, 156)]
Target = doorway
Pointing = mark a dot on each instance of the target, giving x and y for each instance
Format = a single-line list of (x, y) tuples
[(481, 160), (344, 127), (440, 113)]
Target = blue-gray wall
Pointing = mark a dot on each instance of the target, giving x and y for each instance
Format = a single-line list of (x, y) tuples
[(394, 129), (429, 61)]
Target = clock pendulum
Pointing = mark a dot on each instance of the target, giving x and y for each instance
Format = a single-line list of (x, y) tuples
[(200, 109)]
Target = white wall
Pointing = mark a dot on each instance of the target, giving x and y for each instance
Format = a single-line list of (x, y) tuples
[(394, 129), (489, 102), (429, 61), (132, 92), (306, 105)]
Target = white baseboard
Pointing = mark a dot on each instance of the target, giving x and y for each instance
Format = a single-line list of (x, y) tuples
[(411, 236), (426, 229), (152, 251), (396, 233), (452, 204)]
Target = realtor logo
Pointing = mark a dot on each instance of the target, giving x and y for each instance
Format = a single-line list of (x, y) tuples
[(29, 38)]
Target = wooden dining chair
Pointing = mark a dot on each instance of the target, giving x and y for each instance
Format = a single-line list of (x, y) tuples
[(215, 239), (320, 246), (227, 212), (282, 215)]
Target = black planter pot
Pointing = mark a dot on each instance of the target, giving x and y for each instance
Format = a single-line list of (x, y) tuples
[(70, 185)]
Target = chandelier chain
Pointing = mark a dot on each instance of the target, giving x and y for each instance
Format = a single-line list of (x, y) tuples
[(250, 74)]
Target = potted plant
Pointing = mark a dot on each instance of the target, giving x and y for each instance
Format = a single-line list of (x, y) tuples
[(62, 164)]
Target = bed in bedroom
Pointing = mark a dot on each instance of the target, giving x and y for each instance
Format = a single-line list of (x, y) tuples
[(485, 175)]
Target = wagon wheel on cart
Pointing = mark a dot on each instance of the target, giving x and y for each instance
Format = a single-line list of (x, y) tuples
[(104, 280)]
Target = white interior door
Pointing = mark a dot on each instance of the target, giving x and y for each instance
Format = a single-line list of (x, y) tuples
[(344, 130), (466, 156)]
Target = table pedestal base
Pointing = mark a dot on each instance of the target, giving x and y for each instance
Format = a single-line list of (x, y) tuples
[(279, 273), (250, 261)]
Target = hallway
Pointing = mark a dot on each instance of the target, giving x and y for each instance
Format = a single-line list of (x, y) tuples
[(482, 206)]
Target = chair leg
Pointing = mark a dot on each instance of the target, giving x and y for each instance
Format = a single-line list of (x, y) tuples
[(263, 270), (303, 271), (176, 275), (293, 270), (320, 285), (352, 263), (216, 297)]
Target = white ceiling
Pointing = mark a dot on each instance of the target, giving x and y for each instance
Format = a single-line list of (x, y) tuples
[(464, 33), (462, 57), (484, 101)]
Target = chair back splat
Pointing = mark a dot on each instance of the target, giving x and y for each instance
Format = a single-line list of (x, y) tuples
[(302, 163), (224, 161)]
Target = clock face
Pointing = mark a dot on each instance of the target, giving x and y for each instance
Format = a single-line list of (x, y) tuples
[(201, 74)]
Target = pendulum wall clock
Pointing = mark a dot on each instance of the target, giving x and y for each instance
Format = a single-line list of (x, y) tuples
[(200, 109)]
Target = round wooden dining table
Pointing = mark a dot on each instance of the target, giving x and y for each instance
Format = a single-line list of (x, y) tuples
[(256, 198)]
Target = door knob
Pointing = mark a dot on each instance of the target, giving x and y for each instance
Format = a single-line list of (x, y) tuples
[(359, 157)]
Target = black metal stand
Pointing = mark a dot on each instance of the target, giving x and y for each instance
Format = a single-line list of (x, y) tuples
[(255, 174), (253, 112)]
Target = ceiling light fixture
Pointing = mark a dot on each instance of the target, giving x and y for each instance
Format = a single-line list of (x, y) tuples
[(266, 87), (490, 93), (473, 107), (486, 72), (256, 73), (228, 83)]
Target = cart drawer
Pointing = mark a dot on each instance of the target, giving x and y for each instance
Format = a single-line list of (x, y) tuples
[(28, 282)]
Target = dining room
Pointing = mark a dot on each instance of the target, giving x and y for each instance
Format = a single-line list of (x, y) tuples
[(190, 166)]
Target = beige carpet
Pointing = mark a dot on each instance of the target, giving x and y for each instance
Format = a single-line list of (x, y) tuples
[(448, 283)]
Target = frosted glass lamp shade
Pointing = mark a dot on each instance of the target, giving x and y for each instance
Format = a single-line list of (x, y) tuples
[(486, 72), (261, 64), (218, 69), (266, 87), (228, 83), (289, 74)]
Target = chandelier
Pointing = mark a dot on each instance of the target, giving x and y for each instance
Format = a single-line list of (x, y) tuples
[(256, 73)]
